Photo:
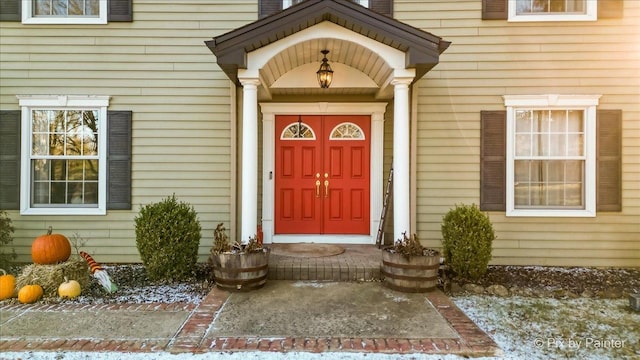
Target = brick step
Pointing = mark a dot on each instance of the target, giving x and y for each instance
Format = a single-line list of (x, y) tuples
[(357, 263)]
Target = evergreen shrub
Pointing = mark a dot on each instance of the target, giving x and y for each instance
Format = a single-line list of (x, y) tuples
[(167, 238), (468, 236)]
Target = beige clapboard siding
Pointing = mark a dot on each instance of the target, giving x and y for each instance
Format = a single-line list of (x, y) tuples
[(158, 67), (488, 59)]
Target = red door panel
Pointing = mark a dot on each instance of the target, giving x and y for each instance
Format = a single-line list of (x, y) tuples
[(347, 211), (297, 199), (322, 183)]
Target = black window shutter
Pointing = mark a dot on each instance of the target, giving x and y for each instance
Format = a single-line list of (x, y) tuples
[(384, 7), (610, 9), (268, 7), (493, 154), (10, 10), (120, 10), (10, 159), (494, 10), (609, 160), (119, 160)]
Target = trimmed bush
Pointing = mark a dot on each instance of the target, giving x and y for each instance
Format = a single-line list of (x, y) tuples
[(7, 253), (467, 235), (167, 237)]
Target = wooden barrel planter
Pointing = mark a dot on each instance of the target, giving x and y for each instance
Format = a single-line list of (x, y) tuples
[(414, 275), (241, 272)]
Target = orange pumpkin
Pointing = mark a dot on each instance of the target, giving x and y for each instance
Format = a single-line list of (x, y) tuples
[(7, 285), (29, 294), (50, 248)]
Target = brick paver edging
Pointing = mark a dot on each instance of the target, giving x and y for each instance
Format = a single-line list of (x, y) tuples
[(473, 341), (191, 337), (90, 344)]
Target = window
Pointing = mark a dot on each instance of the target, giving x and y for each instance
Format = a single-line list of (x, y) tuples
[(347, 131), (551, 155), (63, 155), (553, 10), (288, 3), (64, 11), (298, 131)]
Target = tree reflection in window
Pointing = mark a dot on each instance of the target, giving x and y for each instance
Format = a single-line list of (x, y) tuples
[(347, 131), (297, 131), (64, 157)]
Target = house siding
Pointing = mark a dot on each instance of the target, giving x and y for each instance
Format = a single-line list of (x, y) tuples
[(159, 68), (184, 110), (492, 58)]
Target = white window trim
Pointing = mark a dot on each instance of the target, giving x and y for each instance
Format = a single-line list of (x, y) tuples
[(29, 18), (591, 14), (288, 3), (29, 102), (587, 103)]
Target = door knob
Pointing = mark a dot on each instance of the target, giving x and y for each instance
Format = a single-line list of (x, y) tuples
[(317, 188), (326, 188)]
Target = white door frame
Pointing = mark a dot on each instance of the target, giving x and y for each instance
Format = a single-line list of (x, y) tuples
[(269, 111)]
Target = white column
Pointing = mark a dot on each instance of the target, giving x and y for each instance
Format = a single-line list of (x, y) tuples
[(249, 211), (401, 160)]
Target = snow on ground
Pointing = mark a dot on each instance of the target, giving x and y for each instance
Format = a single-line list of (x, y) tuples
[(524, 328)]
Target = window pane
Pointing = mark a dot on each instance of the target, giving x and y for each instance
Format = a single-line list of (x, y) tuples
[(76, 7), (557, 145), (40, 169), (523, 121), (75, 193), (91, 193), (73, 135), (523, 145), (574, 121), (56, 144), (91, 170), (41, 193), (548, 184), (90, 133), (550, 6), (76, 170), (58, 169), (539, 6), (58, 192), (40, 121), (92, 7), (60, 7), (40, 144), (558, 121), (42, 7)]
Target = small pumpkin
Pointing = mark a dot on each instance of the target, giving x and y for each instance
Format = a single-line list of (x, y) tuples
[(29, 294), (7, 285), (69, 289), (50, 248)]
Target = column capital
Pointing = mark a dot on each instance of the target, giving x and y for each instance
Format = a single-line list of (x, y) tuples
[(249, 82), (401, 81)]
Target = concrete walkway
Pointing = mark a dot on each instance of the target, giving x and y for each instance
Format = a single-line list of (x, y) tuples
[(284, 316)]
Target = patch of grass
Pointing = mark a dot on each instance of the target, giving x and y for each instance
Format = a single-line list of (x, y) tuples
[(543, 328)]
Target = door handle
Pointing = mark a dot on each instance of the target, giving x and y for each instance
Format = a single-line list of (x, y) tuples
[(326, 188), (317, 188)]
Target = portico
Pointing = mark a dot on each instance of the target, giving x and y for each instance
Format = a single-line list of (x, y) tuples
[(374, 58)]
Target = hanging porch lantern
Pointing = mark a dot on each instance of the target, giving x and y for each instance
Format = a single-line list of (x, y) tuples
[(325, 74)]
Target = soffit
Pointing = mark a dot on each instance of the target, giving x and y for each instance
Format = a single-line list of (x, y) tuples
[(422, 48)]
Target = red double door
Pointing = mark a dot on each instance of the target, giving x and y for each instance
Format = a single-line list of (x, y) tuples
[(322, 174)]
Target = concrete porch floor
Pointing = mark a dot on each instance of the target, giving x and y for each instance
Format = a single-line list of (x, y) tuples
[(356, 263)]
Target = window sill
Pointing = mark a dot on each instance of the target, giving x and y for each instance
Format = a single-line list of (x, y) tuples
[(63, 211), (550, 213)]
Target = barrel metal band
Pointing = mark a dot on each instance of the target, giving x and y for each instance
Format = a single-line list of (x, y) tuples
[(410, 266), (410, 278)]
